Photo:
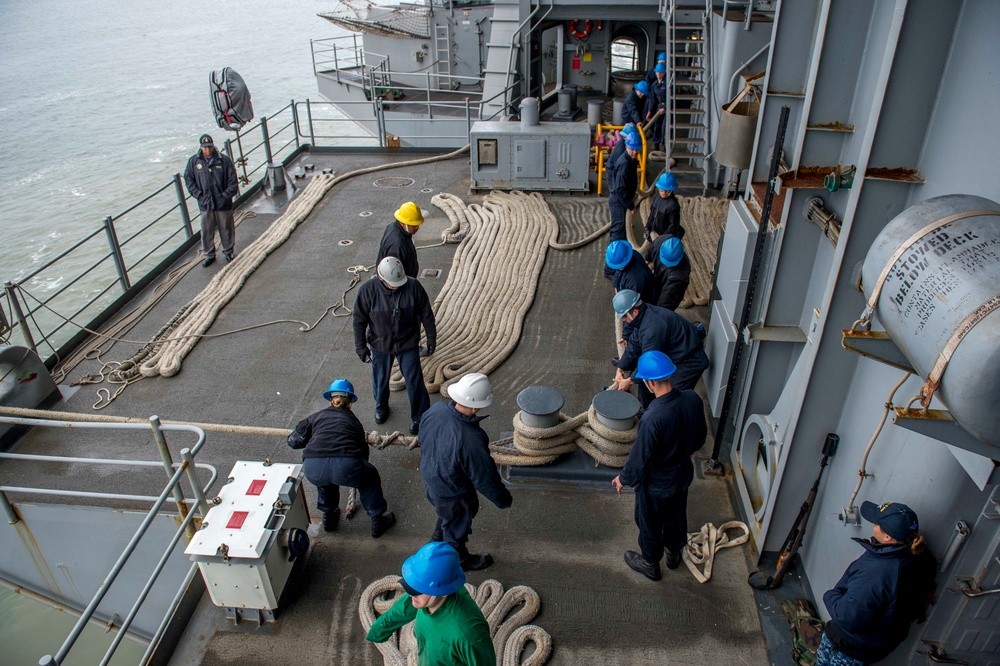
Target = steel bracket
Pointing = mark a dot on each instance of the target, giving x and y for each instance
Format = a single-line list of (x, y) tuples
[(938, 424), (876, 345)]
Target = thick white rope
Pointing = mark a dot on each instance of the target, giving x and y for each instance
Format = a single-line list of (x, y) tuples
[(703, 545), (167, 358), (541, 446), (507, 614), (481, 307)]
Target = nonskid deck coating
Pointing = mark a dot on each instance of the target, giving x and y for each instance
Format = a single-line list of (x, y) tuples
[(566, 545)]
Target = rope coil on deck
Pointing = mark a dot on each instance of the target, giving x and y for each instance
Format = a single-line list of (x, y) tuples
[(541, 446), (702, 546), (507, 614), (498, 262)]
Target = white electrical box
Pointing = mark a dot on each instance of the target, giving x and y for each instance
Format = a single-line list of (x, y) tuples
[(252, 537)]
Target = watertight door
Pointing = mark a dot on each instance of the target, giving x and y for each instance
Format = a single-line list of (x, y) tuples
[(965, 623)]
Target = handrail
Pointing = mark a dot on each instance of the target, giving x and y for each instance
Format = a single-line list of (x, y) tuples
[(186, 467)]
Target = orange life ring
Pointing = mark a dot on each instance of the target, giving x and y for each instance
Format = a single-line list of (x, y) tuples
[(580, 34)]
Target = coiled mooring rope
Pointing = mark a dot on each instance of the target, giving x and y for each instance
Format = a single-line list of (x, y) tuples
[(541, 446), (509, 628), (497, 264)]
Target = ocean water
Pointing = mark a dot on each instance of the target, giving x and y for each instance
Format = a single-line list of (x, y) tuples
[(101, 102)]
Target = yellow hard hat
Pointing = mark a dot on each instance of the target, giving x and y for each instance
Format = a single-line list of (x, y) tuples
[(409, 213)]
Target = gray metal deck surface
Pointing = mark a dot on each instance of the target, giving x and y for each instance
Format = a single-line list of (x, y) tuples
[(567, 545)]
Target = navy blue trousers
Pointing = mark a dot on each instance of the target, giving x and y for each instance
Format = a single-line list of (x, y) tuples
[(328, 474), (454, 523), (686, 377), (661, 515), (413, 374)]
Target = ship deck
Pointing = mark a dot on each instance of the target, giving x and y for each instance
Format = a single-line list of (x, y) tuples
[(566, 541)]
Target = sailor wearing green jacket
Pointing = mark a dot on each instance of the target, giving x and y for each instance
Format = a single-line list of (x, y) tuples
[(450, 629)]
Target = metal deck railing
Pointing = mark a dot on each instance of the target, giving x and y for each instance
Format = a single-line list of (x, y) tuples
[(175, 472)]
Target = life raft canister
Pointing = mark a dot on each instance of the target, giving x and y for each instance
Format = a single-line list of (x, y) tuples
[(581, 34)]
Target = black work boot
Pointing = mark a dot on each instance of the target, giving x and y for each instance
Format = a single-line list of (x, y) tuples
[(673, 559), (381, 415), (415, 427), (437, 536), (330, 520), (476, 562), (637, 562), (381, 524)]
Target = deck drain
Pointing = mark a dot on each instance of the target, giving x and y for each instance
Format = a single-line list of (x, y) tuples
[(426, 190), (345, 242), (393, 181), (365, 213)]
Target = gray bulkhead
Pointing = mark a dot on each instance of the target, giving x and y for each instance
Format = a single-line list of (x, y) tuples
[(904, 91)]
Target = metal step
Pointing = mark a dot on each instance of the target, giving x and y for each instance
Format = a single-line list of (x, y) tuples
[(688, 82), (687, 68), (687, 156), (688, 112), (700, 97), (694, 126), (689, 139), (685, 168)]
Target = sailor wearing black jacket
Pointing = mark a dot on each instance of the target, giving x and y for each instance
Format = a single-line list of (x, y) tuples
[(388, 313), (659, 466), (334, 454), (631, 271), (671, 271), (650, 327), (665, 210), (881, 593), (397, 240), (455, 463), (210, 177)]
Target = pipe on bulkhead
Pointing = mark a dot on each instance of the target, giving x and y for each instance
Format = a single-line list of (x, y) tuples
[(862, 473), (962, 532)]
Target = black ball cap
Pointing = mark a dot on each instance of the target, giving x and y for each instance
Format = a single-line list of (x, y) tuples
[(206, 141)]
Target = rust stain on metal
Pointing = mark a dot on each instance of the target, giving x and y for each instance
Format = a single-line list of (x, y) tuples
[(784, 93), (898, 174), (835, 126), (806, 177), (777, 204), (35, 553)]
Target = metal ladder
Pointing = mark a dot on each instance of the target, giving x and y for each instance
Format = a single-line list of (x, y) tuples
[(689, 89), (442, 55)]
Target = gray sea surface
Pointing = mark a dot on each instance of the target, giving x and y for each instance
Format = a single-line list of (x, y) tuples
[(101, 102)]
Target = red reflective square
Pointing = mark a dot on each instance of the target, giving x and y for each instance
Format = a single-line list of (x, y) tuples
[(237, 519), (257, 487)]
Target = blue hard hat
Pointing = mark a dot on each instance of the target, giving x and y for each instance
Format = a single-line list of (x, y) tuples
[(661, 56), (618, 254), (654, 365), (660, 68), (633, 141), (671, 252), (435, 569), (642, 87), (667, 182), (624, 301), (629, 128), (340, 387)]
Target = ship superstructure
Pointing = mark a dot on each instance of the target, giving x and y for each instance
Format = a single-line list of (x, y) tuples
[(849, 297)]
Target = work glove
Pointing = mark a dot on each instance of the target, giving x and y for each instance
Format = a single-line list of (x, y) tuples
[(428, 350), (364, 354)]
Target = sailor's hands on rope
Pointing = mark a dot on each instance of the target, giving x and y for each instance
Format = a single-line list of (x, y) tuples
[(426, 351), (616, 483), (365, 354)]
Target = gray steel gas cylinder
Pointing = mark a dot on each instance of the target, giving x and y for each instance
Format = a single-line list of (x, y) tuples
[(948, 272)]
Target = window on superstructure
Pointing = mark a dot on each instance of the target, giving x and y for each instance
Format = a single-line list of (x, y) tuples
[(624, 55)]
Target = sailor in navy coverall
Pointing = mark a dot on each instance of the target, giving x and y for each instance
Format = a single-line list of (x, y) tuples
[(659, 466), (650, 327), (455, 463)]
